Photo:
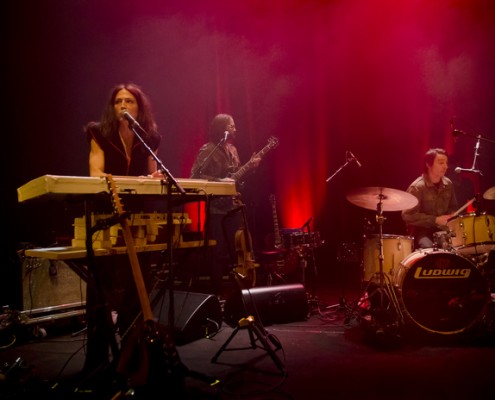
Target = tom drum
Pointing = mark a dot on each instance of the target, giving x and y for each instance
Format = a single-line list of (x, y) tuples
[(472, 234), (440, 291), (395, 249)]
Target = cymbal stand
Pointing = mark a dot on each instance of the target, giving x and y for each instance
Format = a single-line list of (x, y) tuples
[(384, 284)]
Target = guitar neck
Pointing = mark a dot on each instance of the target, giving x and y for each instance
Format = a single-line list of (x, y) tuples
[(272, 142), (131, 252), (137, 273), (241, 171), (277, 238)]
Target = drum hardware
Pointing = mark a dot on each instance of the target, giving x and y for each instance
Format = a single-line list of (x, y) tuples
[(386, 313), (443, 240), (299, 245)]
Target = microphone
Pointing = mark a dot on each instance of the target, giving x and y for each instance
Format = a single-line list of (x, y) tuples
[(457, 132), (355, 159), (226, 135), (474, 171), (132, 121)]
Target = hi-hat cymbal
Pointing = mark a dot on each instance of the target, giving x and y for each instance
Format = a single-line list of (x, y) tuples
[(489, 194), (390, 199)]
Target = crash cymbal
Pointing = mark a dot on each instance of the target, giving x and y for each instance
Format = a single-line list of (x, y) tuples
[(489, 194), (391, 199)]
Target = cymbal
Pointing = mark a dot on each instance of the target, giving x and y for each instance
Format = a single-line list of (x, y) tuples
[(391, 199), (489, 194)]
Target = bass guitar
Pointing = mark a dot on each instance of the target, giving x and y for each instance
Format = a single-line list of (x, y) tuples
[(149, 355)]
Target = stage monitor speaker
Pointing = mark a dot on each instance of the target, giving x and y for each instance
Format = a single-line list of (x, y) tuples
[(271, 304), (196, 315)]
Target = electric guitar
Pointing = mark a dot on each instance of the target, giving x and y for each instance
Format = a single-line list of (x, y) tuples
[(142, 360), (272, 143)]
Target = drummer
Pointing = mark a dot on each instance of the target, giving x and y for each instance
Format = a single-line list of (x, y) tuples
[(436, 200)]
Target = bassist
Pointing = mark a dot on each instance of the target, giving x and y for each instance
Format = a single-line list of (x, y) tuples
[(219, 160)]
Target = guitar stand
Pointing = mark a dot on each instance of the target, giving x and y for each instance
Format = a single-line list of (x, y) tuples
[(256, 333)]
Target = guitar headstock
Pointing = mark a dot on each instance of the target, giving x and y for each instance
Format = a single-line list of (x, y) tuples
[(272, 142), (112, 187)]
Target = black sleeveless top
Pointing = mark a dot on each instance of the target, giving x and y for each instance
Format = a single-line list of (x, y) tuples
[(116, 162)]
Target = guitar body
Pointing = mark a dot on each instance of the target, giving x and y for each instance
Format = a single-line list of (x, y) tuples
[(245, 257), (149, 358), (246, 266)]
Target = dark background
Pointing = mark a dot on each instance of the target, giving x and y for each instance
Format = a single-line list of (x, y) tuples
[(384, 79)]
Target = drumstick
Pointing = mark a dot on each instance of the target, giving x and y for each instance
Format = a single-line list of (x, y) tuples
[(464, 206)]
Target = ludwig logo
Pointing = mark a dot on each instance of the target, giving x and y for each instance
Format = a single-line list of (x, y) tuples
[(434, 273)]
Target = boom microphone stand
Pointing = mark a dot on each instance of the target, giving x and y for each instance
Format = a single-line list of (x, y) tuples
[(349, 157), (171, 183)]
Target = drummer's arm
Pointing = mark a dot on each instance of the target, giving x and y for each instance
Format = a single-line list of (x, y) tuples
[(453, 206), (412, 217), (443, 219)]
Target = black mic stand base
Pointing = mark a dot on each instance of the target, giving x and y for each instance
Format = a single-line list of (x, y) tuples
[(256, 333)]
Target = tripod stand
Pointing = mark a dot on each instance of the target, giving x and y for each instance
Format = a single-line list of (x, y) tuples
[(386, 312), (257, 333)]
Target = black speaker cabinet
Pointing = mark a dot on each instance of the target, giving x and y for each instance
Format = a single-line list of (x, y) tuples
[(272, 304), (196, 315)]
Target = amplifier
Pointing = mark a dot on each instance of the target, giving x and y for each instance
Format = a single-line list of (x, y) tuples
[(51, 289)]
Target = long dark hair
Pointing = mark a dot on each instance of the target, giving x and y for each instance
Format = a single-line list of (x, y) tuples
[(218, 126), (109, 123)]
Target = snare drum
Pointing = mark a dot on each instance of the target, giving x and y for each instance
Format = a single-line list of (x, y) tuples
[(440, 291), (395, 249), (473, 234)]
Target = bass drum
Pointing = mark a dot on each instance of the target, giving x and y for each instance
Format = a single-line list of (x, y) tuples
[(441, 292)]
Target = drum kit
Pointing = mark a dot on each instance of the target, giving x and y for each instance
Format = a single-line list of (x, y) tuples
[(441, 290)]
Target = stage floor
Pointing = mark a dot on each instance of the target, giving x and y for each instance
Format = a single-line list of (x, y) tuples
[(329, 354)]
